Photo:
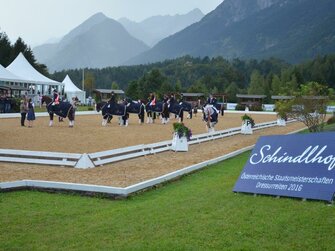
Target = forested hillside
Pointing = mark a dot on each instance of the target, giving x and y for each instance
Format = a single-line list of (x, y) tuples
[(209, 75)]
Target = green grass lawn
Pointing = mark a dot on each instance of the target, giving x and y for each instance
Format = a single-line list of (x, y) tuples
[(198, 212), (329, 128)]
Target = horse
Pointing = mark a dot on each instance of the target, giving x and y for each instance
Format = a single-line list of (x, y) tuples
[(210, 116), (106, 116), (179, 108), (122, 110), (64, 109), (174, 107), (165, 113)]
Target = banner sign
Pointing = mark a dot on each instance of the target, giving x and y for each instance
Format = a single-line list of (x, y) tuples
[(299, 165)]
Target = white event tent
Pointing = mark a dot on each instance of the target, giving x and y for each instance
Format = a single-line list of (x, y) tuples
[(7, 76), (10, 84), (37, 82), (71, 90)]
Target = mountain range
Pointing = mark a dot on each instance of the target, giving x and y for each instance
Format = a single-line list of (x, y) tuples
[(101, 41), (98, 42), (293, 30), (154, 29)]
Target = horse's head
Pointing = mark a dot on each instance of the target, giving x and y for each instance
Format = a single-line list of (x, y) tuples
[(99, 106), (45, 99)]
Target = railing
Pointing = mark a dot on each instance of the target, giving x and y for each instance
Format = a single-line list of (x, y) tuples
[(44, 158), (106, 157)]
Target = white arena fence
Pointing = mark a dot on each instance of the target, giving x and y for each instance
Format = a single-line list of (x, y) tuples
[(92, 160), (115, 192), (35, 157)]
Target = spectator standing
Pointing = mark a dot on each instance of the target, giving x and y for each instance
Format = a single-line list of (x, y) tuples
[(23, 110), (31, 113)]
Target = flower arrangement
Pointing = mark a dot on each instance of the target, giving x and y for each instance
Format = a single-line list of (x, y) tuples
[(182, 131), (247, 117)]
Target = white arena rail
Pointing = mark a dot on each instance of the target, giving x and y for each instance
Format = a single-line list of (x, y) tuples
[(36, 157), (106, 157), (92, 160)]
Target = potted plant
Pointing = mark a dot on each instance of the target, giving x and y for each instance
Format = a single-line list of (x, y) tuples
[(282, 118), (282, 109), (247, 124), (181, 135)]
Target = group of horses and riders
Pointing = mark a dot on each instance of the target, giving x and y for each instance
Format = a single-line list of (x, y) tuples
[(151, 107), (154, 108)]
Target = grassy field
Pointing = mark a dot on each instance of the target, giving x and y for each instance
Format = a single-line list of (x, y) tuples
[(198, 212)]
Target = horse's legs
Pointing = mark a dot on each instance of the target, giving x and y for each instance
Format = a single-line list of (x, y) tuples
[(104, 120), (125, 119), (51, 116), (109, 119), (71, 118), (149, 117), (181, 116)]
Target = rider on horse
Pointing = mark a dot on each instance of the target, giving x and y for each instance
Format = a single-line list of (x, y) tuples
[(55, 98)]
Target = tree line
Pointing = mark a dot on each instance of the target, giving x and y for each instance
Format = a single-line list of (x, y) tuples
[(209, 75), (8, 52)]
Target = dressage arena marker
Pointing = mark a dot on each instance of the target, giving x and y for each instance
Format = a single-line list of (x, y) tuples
[(118, 191), (84, 161)]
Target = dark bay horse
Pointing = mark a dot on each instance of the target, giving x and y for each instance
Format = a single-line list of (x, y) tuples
[(64, 109), (174, 107), (106, 116), (122, 110)]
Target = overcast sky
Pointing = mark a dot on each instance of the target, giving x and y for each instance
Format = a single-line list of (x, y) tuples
[(36, 21)]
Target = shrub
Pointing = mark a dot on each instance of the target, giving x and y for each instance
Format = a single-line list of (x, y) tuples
[(182, 130), (247, 117), (257, 108), (240, 107)]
